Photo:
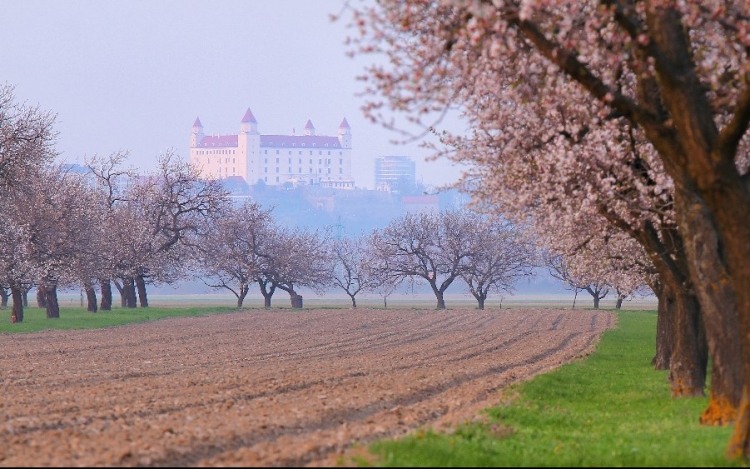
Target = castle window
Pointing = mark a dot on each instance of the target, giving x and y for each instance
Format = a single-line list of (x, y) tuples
[(233, 162), (277, 169), (341, 170), (300, 161), (320, 152), (300, 170), (290, 152), (341, 161), (320, 170), (329, 161), (265, 170), (329, 152), (290, 171), (277, 161), (277, 152), (310, 170), (266, 151), (310, 160), (277, 179), (290, 161), (265, 178), (300, 152), (320, 161), (340, 153), (266, 160), (329, 170), (311, 152)]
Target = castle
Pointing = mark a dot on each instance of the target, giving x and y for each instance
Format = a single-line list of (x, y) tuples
[(275, 159)]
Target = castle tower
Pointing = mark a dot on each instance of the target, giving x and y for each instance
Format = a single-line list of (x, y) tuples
[(249, 125), (345, 134), (309, 129), (196, 134), (248, 148)]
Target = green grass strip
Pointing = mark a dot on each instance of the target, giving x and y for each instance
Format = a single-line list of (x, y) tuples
[(610, 409), (35, 319)]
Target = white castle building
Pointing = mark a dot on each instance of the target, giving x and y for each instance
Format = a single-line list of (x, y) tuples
[(275, 159)]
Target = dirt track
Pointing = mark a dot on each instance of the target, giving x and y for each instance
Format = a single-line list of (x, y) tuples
[(266, 388)]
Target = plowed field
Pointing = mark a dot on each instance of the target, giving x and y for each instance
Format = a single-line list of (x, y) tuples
[(267, 387)]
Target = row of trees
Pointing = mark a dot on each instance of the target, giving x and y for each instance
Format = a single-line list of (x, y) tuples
[(102, 227), (246, 246), (611, 127)]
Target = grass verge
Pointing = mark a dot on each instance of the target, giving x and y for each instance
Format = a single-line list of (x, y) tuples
[(35, 319), (611, 409)]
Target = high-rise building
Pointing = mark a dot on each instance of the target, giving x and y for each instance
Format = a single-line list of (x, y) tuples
[(395, 174), (275, 159)]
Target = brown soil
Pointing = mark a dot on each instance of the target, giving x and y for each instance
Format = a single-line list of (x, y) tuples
[(267, 388)]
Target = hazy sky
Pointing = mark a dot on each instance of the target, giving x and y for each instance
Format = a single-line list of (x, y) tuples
[(134, 75)]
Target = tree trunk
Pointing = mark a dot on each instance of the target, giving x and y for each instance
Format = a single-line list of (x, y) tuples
[(354, 301), (244, 289), (295, 299), (91, 305), (385, 302), (41, 297), (140, 282), (618, 305), (123, 294), (480, 301), (25, 296), (4, 298), (106, 287), (16, 314), (53, 307), (128, 288), (713, 288), (267, 292), (596, 300), (665, 328), (687, 365)]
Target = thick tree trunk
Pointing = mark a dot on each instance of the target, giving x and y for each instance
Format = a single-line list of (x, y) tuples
[(4, 293), (713, 288), (106, 287), (243, 293), (596, 301), (295, 299), (687, 365), (41, 297), (128, 288), (25, 296), (618, 305), (665, 328), (480, 301), (354, 301), (91, 305), (53, 307), (140, 283), (16, 314)]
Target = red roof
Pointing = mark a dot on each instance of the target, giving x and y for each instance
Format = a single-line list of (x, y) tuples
[(210, 141), (344, 124), (249, 117), (197, 123)]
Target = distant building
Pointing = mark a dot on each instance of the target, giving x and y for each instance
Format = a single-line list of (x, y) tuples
[(395, 174), (275, 159)]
